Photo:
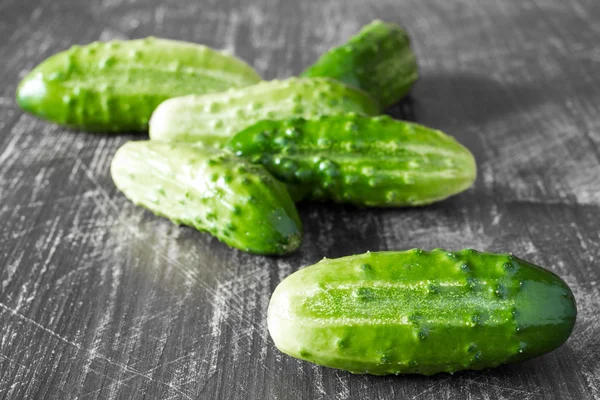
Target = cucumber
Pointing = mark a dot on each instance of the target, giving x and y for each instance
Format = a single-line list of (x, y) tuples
[(420, 312), (367, 161), (215, 118), (379, 60), (115, 86), (239, 203)]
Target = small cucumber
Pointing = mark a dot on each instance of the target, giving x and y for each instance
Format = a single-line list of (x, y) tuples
[(379, 60), (361, 160), (420, 312), (115, 86), (240, 204), (214, 118)]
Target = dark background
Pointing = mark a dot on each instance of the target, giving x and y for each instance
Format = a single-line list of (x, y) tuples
[(101, 300)]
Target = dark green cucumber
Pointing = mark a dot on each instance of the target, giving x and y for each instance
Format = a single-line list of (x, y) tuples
[(217, 117), (239, 203), (360, 160), (379, 60), (420, 312), (115, 86)]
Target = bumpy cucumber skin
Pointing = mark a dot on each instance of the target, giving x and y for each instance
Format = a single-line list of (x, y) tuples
[(366, 161), (379, 60), (215, 118), (115, 86), (420, 312), (239, 203)]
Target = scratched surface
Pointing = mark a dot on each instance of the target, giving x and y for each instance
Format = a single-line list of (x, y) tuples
[(101, 300)]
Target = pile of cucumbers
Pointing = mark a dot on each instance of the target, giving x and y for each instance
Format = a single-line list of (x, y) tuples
[(231, 154)]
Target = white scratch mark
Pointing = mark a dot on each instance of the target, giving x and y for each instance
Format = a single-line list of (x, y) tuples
[(430, 388), (10, 270)]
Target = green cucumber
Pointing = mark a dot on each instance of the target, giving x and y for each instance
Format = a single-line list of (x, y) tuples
[(215, 118), (379, 60), (115, 86), (239, 203), (367, 161), (420, 312)]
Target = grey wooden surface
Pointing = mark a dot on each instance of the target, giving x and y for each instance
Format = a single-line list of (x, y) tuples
[(101, 300)]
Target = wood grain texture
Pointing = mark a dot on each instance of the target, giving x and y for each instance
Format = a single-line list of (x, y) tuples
[(101, 300)]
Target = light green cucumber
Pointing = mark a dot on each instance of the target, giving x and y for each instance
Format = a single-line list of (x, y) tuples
[(239, 203), (379, 60), (115, 86), (420, 312), (367, 161), (215, 118)]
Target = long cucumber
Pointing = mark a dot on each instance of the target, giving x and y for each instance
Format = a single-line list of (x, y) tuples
[(115, 86), (420, 312), (215, 118), (360, 160)]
